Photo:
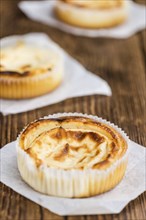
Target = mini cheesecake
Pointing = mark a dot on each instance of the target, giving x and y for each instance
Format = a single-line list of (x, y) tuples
[(92, 13), (28, 71), (72, 156)]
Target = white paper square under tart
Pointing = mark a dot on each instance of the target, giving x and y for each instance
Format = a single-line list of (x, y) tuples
[(110, 202)]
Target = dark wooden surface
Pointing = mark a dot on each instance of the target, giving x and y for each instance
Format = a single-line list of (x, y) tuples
[(122, 64)]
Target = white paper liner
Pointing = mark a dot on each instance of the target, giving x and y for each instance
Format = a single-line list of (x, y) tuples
[(71, 183)]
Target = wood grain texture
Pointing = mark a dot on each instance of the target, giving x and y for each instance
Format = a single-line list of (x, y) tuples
[(122, 64)]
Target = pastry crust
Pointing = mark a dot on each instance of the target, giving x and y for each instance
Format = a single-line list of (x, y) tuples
[(71, 156), (96, 3), (28, 71), (95, 14)]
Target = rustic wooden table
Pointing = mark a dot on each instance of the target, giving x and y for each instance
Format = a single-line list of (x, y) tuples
[(121, 63)]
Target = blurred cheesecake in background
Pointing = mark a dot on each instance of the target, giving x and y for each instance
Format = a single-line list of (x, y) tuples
[(28, 71), (92, 13)]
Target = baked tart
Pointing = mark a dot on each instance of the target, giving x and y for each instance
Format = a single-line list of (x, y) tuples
[(28, 70), (92, 13), (72, 155)]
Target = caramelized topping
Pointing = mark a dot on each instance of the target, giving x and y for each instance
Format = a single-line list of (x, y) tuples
[(72, 143), (23, 60), (70, 149)]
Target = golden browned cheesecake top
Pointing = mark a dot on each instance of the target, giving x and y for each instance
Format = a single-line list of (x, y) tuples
[(22, 60), (72, 143), (103, 4)]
